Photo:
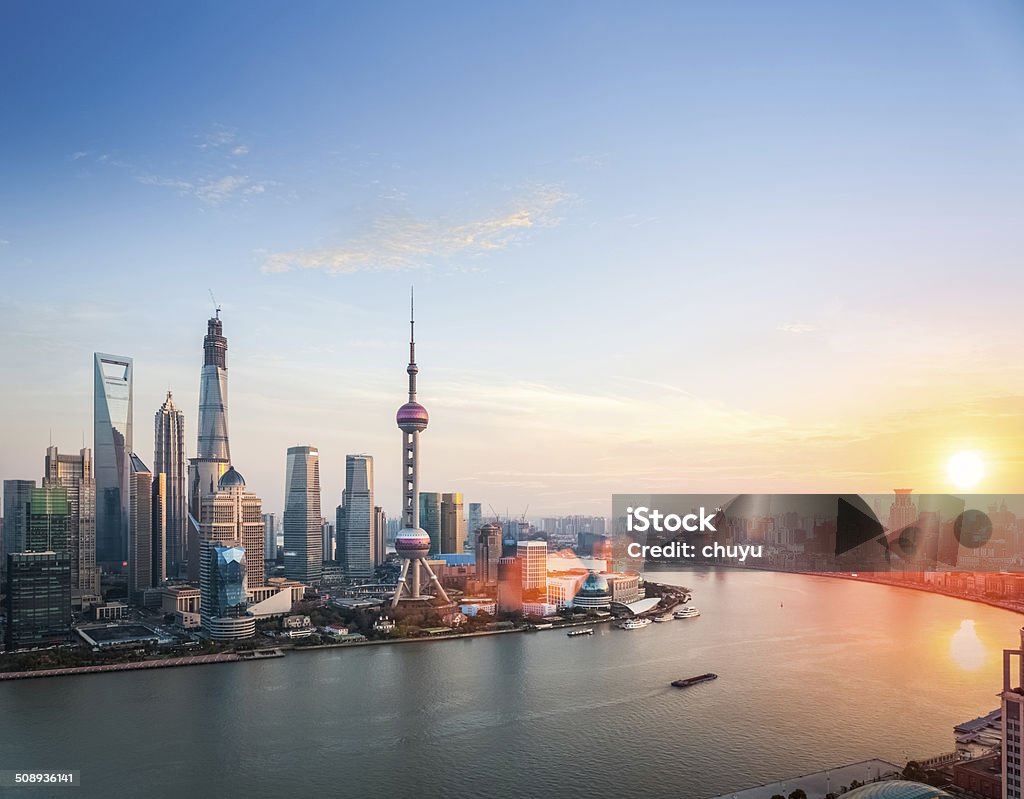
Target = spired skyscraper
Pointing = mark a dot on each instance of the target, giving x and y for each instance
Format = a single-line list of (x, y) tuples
[(112, 440), (303, 541), (213, 456), (169, 460), (413, 542)]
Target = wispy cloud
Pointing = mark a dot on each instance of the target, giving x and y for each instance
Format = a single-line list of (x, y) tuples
[(77, 155), (213, 191), (220, 137), (393, 243), (796, 328)]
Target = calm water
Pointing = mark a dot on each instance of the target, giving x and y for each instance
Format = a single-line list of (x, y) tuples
[(841, 672)]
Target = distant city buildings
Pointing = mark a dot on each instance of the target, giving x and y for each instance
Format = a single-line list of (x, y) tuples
[(303, 542), (112, 445), (453, 523), (75, 474), (169, 460)]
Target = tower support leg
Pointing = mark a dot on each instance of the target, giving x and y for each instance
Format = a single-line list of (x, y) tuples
[(401, 584), (437, 584)]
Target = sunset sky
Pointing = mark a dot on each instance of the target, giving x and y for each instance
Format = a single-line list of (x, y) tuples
[(689, 247)]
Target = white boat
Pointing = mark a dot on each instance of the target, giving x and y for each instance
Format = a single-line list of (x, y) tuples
[(663, 617), (635, 624), (686, 613)]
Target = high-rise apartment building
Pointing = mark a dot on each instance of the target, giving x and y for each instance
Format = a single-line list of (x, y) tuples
[(213, 455), (453, 523), (533, 555), (430, 518), (169, 460), (303, 546), (358, 536), (75, 473), (112, 443)]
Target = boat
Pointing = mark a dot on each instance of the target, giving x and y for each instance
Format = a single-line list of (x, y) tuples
[(635, 624), (585, 631), (686, 613), (694, 680), (663, 617)]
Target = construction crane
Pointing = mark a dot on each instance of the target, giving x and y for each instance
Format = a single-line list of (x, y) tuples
[(216, 307)]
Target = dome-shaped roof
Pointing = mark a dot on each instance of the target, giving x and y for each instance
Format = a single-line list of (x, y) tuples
[(896, 789), (230, 479), (594, 586)]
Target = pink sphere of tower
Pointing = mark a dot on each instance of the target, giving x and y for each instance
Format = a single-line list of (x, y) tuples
[(412, 542), (412, 417)]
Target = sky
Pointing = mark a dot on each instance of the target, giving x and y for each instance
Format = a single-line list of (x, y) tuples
[(668, 247)]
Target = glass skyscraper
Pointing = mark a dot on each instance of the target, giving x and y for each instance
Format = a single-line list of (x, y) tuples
[(75, 474), (430, 518), (112, 439), (358, 536), (17, 494), (303, 544)]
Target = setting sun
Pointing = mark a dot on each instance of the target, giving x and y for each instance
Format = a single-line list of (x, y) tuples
[(965, 469)]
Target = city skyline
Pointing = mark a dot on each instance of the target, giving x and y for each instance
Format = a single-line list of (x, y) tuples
[(728, 185)]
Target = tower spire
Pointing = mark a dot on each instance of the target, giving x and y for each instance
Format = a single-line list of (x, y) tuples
[(412, 368)]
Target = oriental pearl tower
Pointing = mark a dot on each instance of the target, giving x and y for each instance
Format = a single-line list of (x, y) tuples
[(413, 543)]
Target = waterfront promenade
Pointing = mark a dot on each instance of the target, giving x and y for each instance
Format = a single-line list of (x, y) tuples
[(820, 783), (191, 660)]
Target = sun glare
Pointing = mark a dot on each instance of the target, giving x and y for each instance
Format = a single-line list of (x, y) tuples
[(965, 469), (966, 647)]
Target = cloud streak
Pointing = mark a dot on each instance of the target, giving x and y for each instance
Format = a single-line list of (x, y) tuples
[(395, 243), (212, 191)]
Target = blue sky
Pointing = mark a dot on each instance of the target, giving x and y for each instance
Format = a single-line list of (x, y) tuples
[(728, 246)]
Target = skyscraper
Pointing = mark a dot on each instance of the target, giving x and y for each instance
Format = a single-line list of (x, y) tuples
[(453, 523), (231, 557), (75, 473), (430, 519), (169, 459), (1013, 720), (213, 456), (476, 518), (140, 530), (159, 531), (17, 494), (380, 526), (303, 546), (357, 537), (270, 536), (488, 552), (327, 539), (412, 543), (38, 582), (112, 441), (534, 558)]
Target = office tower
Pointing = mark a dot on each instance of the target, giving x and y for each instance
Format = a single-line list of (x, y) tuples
[(140, 530), (1013, 720), (341, 556), (488, 552), (169, 459), (430, 518), (509, 538), (231, 557), (476, 518), (303, 548), (17, 494), (213, 457), (413, 542), (112, 441), (270, 536), (327, 540), (510, 586), (453, 523), (38, 590), (38, 581), (380, 525), (75, 473), (159, 505), (534, 558), (358, 536)]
